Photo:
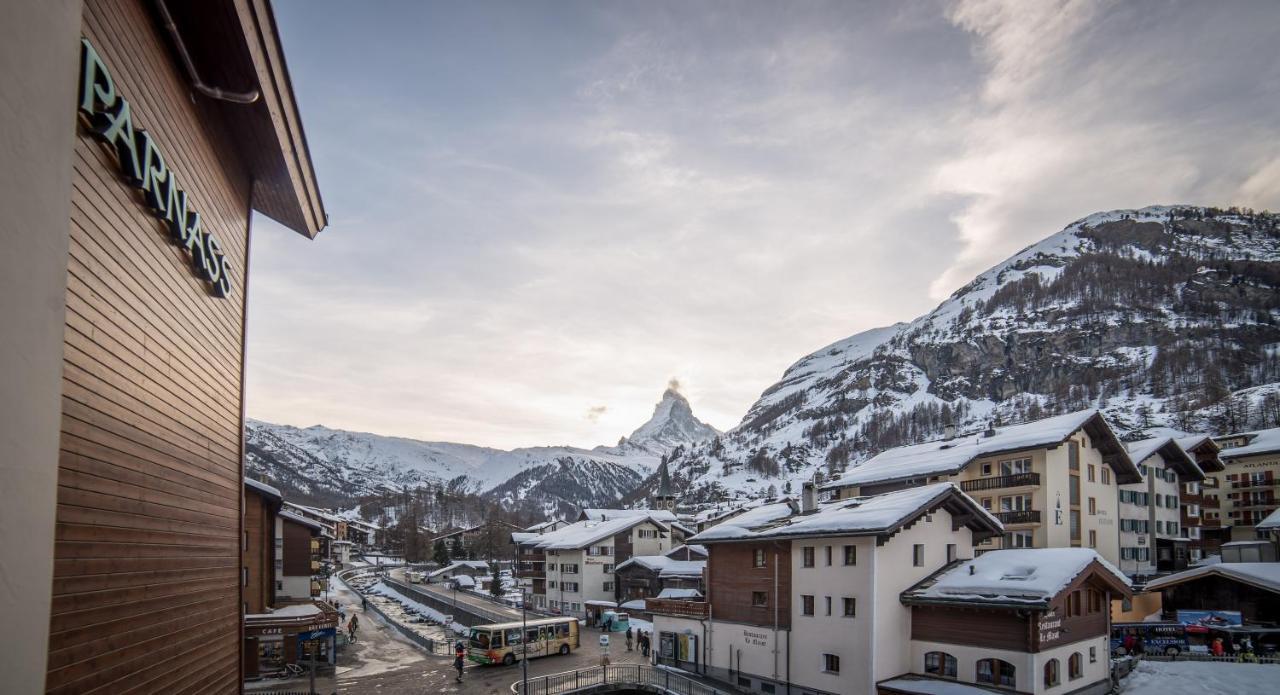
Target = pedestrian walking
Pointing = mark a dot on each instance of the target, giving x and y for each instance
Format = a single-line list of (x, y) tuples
[(644, 637), (364, 603), (458, 661), (629, 638), (352, 626)]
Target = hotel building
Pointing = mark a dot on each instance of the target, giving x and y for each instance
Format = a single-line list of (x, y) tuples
[(139, 139), (1151, 514), (1249, 484)]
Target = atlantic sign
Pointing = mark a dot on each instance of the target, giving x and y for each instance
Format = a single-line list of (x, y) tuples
[(107, 114)]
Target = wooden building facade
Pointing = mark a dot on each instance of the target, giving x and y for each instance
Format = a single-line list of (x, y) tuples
[(179, 122)]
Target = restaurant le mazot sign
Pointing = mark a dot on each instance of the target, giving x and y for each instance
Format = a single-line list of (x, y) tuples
[(107, 114)]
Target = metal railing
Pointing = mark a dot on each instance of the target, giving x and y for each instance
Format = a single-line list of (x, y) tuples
[(1015, 480), (656, 678), (1022, 516)]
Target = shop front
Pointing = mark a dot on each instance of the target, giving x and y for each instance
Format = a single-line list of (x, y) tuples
[(301, 636)]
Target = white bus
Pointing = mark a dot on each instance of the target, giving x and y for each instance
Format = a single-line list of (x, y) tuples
[(506, 643)]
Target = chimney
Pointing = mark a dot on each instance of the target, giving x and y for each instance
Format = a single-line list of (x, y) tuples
[(949, 432), (808, 497)]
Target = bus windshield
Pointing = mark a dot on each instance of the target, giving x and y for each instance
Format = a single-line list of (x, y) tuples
[(479, 638)]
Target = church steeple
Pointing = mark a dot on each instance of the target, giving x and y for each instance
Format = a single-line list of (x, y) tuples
[(665, 496)]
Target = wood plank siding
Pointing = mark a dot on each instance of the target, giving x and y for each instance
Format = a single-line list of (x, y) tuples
[(733, 577), (147, 590)]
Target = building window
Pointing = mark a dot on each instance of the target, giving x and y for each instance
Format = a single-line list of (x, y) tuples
[(1093, 506), (828, 602), (744, 682), (759, 598), (951, 552), (996, 672), (758, 559), (608, 586), (986, 469), (1073, 603), (1093, 539), (830, 663), (1092, 472), (828, 551), (1015, 466), (940, 664), (806, 604), (1106, 475), (851, 555), (808, 555), (1019, 539), (1051, 675), (1093, 655), (917, 555), (850, 607), (1075, 666), (551, 584)]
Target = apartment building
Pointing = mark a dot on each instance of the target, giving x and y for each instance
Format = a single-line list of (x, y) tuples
[(1151, 514), (131, 185), (1249, 484), (811, 598), (1053, 483), (579, 560), (1201, 508)]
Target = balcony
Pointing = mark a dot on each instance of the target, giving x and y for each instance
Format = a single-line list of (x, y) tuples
[(1254, 484), (1002, 481), (679, 609), (1210, 502), (1024, 516)]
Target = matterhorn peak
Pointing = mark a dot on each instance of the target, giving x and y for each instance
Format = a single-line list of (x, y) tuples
[(673, 424)]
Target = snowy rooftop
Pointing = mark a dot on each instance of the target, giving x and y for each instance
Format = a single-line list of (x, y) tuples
[(757, 517), (860, 515), (461, 564), (694, 549), (1271, 522), (583, 533), (1264, 575), (1260, 442), (1024, 575), (671, 592), (299, 519), (296, 610), (946, 457), (263, 488), (524, 536), (665, 566), (662, 515), (1169, 450)]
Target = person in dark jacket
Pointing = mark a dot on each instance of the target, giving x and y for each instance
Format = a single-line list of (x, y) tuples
[(458, 659), (629, 637)]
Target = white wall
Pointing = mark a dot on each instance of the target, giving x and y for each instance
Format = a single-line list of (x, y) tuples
[(750, 648), (39, 52), (1030, 667)]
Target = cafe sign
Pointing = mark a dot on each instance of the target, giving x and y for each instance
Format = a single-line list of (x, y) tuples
[(107, 114)]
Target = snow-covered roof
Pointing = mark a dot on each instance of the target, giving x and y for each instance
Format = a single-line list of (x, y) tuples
[(693, 549), (322, 513), (861, 516), (1263, 575), (263, 488), (946, 457), (663, 515), (463, 580), (538, 528), (683, 568), (1259, 442), (1015, 576), (681, 527), (671, 592), (299, 519), (1173, 455), (581, 534), (1271, 522), (760, 516), (1197, 444), (461, 564), (600, 603), (634, 605), (521, 537)]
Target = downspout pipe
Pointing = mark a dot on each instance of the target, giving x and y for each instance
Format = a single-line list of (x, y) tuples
[(205, 89)]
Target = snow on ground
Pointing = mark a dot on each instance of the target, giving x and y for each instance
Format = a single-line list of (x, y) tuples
[(426, 610), (1200, 678)]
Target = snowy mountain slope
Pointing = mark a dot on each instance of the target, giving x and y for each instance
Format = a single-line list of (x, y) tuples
[(337, 466), (1162, 316), (559, 489)]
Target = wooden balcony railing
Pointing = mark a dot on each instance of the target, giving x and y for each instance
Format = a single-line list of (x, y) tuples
[(680, 609), (1015, 480), (1024, 516)]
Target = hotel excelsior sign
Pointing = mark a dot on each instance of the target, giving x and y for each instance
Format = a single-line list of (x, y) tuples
[(107, 114)]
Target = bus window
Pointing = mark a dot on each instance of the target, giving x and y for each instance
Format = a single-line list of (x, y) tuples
[(513, 637), (480, 639)]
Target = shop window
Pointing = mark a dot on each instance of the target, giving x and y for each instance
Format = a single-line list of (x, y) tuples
[(1075, 666), (996, 672), (940, 664), (1051, 675)]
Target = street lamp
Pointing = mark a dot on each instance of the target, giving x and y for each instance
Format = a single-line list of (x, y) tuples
[(524, 642)]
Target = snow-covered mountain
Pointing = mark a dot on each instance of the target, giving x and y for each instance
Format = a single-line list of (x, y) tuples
[(335, 466), (673, 424), (1161, 316)]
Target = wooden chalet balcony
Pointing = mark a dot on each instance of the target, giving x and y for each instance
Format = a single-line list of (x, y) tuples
[(679, 609), (1024, 516), (1001, 481), (1254, 484), (1208, 502)]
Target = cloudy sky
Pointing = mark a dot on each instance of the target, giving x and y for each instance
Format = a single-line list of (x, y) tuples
[(540, 212)]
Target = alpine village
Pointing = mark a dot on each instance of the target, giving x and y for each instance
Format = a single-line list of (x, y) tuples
[(1064, 479)]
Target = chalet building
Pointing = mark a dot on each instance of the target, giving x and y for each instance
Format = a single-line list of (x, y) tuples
[(334, 526), (1252, 588), (721, 513), (688, 552), (1248, 489), (808, 601), (658, 576), (1052, 482), (579, 560), (1031, 621), (459, 568), (1151, 513), (1201, 522), (283, 623), (363, 534), (139, 138)]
